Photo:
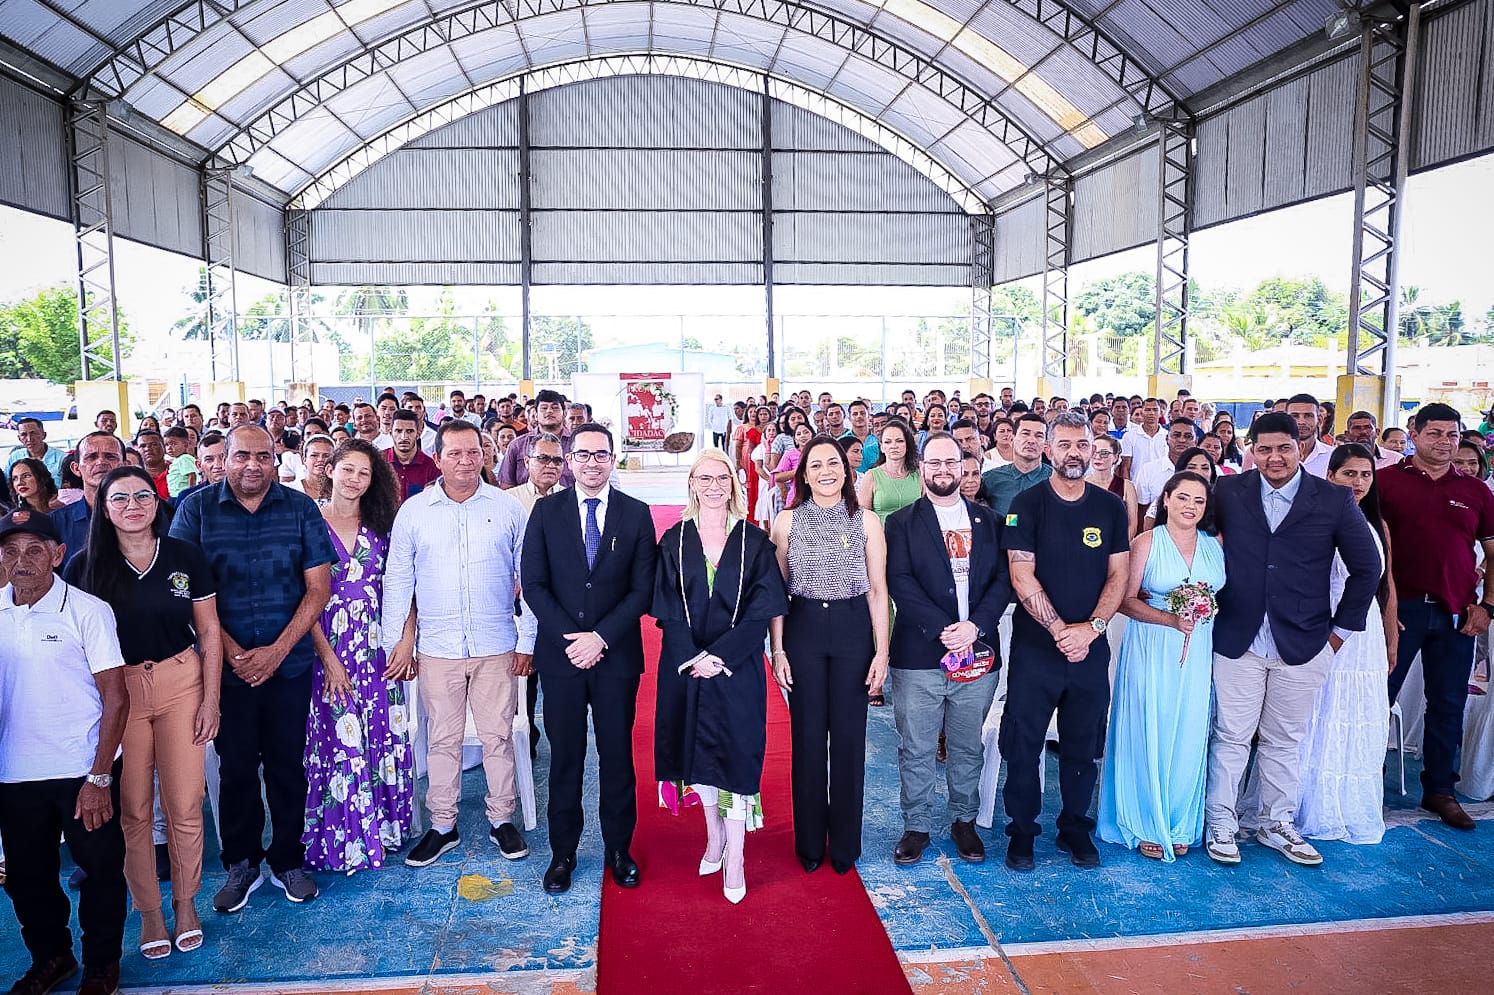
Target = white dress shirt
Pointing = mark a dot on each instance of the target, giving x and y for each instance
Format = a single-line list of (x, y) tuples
[(1143, 448), (1316, 462), (460, 562)]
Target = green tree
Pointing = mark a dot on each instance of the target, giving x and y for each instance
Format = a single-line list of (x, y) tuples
[(556, 345), (1298, 310), (41, 337), (1124, 305), (1018, 302)]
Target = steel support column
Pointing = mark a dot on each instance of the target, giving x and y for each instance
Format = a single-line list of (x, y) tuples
[(526, 241), (982, 276), (218, 250), (1058, 211), (767, 198), (1174, 227), (298, 285), (1382, 130), (93, 239)]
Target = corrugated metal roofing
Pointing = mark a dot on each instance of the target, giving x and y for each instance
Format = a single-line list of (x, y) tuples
[(254, 53)]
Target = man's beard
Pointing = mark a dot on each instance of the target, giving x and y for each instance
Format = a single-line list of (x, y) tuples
[(1071, 471), (943, 490)]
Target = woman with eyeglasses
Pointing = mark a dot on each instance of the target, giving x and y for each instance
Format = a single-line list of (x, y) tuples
[(165, 605), (1103, 473), (830, 651), (32, 486), (360, 783), (717, 589)]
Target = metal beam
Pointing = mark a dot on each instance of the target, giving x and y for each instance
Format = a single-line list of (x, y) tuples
[(93, 239), (1058, 213), (218, 250), (1382, 148), (766, 114), (298, 280), (1174, 227), (857, 40), (526, 235), (982, 276)]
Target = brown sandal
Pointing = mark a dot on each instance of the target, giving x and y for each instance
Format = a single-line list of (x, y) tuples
[(1150, 850)]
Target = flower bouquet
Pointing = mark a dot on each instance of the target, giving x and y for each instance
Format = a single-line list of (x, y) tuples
[(1194, 601)]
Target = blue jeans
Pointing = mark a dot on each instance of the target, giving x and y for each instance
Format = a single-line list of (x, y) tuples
[(1446, 663), (925, 701)]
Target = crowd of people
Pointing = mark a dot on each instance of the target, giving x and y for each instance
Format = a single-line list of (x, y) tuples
[(258, 610)]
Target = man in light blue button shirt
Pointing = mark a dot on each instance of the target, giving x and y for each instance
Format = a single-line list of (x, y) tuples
[(469, 647)]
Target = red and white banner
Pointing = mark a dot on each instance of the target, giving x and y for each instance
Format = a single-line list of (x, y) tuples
[(649, 410)]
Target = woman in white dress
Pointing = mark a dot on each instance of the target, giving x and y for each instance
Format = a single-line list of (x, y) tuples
[(1341, 794)]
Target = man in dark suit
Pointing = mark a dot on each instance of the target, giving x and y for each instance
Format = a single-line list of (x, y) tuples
[(948, 576), (1275, 636), (588, 576)]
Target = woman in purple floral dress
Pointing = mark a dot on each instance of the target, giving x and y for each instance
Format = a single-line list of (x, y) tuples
[(359, 776)]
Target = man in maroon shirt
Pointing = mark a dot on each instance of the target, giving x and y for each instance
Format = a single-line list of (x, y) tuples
[(412, 466), (1436, 513)]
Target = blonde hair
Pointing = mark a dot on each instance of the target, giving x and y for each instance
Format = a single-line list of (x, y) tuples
[(736, 506)]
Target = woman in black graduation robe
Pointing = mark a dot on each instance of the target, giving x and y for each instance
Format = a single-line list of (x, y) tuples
[(711, 733)]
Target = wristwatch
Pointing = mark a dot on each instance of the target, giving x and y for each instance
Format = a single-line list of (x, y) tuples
[(1097, 624), (100, 780), (1488, 608)]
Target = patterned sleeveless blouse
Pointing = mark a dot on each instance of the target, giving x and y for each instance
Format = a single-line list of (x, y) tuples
[(827, 553)]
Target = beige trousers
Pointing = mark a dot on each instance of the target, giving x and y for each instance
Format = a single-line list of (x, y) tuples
[(446, 688)]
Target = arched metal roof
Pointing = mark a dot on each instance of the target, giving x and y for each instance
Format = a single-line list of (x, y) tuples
[(992, 91)]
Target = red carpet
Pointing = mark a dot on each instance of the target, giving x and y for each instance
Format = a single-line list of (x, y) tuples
[(798, 932)]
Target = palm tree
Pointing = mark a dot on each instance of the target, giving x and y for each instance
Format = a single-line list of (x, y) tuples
[(1416, 316)]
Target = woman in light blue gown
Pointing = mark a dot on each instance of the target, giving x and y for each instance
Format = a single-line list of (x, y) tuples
[(1156, 750)]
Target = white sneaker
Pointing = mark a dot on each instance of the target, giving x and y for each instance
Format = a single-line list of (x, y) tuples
[(1284, 838), (1221, 845)]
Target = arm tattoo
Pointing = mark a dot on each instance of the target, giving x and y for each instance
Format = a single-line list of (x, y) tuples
[(1041, 609)]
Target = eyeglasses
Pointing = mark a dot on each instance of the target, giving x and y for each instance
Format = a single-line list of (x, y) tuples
[(121, 500), (590, 456), (705, 480), (943, 464), (544, 460)]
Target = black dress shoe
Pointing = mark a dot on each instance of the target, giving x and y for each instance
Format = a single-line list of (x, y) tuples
[(909, 849), (967, 841), (45, 975), (1080, 848), (842, 866), (811, 864), (1019, 853), (558, 874), (624, 869)]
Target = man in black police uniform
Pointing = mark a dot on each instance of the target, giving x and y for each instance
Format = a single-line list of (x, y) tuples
[(1068, 548)]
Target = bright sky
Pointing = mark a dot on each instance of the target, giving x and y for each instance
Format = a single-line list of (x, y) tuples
[(1450, 216)]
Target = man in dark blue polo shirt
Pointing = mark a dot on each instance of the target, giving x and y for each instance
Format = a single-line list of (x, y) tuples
[(270, 555), (98, 453)]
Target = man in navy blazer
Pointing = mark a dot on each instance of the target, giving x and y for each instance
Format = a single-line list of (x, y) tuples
[(1276, 632), (588, 576), (948, 576)]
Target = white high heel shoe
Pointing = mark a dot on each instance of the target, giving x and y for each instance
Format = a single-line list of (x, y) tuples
[(735, 838), (707, 867)]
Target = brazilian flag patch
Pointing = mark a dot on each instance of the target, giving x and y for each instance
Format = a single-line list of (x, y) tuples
[(1011, 520)]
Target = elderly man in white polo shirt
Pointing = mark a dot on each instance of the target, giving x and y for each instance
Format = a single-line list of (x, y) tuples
[(63, 706)]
